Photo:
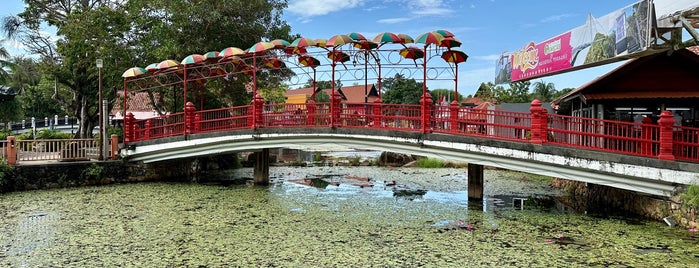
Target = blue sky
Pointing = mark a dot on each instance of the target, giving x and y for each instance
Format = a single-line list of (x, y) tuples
[(485, 27)]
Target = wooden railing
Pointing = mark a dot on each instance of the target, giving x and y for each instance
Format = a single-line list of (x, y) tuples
[(662, 140), (15, 151)]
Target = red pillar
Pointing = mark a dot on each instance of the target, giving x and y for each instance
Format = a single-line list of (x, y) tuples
[(454, 116), (311, 118), (426, 103), (376, 115), (666, 122), (538, 127), (189, 111), (336, 110), (129, 128), (258, 103), (11, 150)]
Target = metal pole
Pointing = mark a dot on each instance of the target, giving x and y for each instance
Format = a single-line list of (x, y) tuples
[(99, 104), (103, 135)]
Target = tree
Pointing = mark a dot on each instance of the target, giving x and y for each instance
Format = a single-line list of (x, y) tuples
[(517, 92), (401, 90), (4, 63), (25, 73), (544, 92), (447, 94)]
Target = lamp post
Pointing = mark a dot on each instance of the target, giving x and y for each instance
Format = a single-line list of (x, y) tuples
[(100, 111)]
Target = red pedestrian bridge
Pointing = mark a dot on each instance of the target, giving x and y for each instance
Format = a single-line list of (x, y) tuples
[(648, 158)]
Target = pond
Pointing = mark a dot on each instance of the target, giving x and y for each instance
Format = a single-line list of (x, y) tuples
[(327, 217)]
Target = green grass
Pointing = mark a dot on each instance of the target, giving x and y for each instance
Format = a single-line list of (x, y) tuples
[(430, 163)]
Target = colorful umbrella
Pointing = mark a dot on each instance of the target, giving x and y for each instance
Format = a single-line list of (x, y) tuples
[(234, 59), (429, 38), (387, 37), (321, 42), (153, 67), (231, 51), (356, 36), (133, 72), (217, 71), (445, 33), (211, 56), (260, 47), (273, 63), (167, 64), (450, 42), (338, 56), (309, 61), (412, 52), (339, 40), (280, 43), (454, 56), (193, 59), (406, 38), (295, 50), (366, 45), (303, 42)]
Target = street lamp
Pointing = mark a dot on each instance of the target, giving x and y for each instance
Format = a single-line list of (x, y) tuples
[(100, 111)]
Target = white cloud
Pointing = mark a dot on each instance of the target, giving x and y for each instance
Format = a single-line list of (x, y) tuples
[(491, 58), (393, 20), (310, 8)]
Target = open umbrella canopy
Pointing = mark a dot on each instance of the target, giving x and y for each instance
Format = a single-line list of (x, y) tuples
[(217, 71), (303, 42), (234, 59), (280, 43), (444, 33), (449, 42), (406, 38), (454, 56), (193, 59), (387, 37), (231, 51), (273, 63), (166, 64), (133, 72), (411, 52), (295, 50), (309, 61), (429, 38), (356, 36), (260, 47), (211, 56), (321, 42), (338, 56), (339, 40), (153, 67), (365, 45)]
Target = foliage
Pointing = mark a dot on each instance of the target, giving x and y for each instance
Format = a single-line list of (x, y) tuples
[(354, 161), (4, 63), (119, 131), (430, 163), (274, 95), (401, 90), (36, 99), (691, 197), (448, 95), (5, 174), (517, 92), (543, 91), (10, 110), (94, 171)]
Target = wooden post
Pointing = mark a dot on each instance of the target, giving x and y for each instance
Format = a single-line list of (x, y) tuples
[(261, 169), (666, 122), (426, 103), (115, 146), (475, 182), (11, 150)]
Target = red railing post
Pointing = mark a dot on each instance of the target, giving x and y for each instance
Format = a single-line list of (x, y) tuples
[(11, 150), (646, 136), (189, 111), (376, 114), (454, 116), (129, 134), (311, 117), (258, 103), (666, 122), (148, 125), (336, 110), (538, 132), (426, 103)]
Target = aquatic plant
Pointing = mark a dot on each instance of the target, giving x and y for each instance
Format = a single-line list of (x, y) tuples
[(430, 163)]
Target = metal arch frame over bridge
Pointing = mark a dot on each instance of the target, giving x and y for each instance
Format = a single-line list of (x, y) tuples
[(655, 177)]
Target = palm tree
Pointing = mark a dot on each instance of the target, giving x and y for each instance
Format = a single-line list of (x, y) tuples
[(4, 63), (544, 91)]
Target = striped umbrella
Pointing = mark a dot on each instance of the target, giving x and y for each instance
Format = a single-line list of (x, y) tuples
[(356, 36), (445, 33), (133, 72), (411, 52), (260, 47), (193, 59), (273, 63), (166, 64), (365, 45), (406, 38), (153, 67), (429, 38), (212, 56), (280, 43), (339, 40), (338, 56), (454, 56), (450, 42), (231, 51), (387, 37), (303, 42), (321, 42), (309, 61)]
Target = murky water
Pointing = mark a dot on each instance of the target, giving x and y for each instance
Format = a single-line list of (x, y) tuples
[(329, 217)]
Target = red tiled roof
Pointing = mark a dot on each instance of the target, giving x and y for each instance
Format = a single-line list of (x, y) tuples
[(138, 102), (353, 94)]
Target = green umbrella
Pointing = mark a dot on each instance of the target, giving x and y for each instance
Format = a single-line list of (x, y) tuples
[(445, 33), (387, 37), (212, 56), (429, 38), (356, 36)]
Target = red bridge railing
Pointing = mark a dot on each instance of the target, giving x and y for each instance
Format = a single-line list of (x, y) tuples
[(662, 140)]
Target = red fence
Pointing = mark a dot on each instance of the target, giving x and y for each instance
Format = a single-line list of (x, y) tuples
[(663, 141)]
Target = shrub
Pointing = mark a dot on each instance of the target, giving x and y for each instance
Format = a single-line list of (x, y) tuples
[(5, 171), (691, 197), (354, 161), (430, 163)]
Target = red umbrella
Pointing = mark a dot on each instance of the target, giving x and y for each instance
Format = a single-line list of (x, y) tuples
[(308, 61), (406, 38), (450, 42), (365, 45), (387, 37), (445, 33), (412, 52), (295, 50), (454, 56), (339, 40), (429, 38), (338, 56)]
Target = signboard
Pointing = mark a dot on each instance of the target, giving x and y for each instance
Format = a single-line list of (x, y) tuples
[(612, 37)]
